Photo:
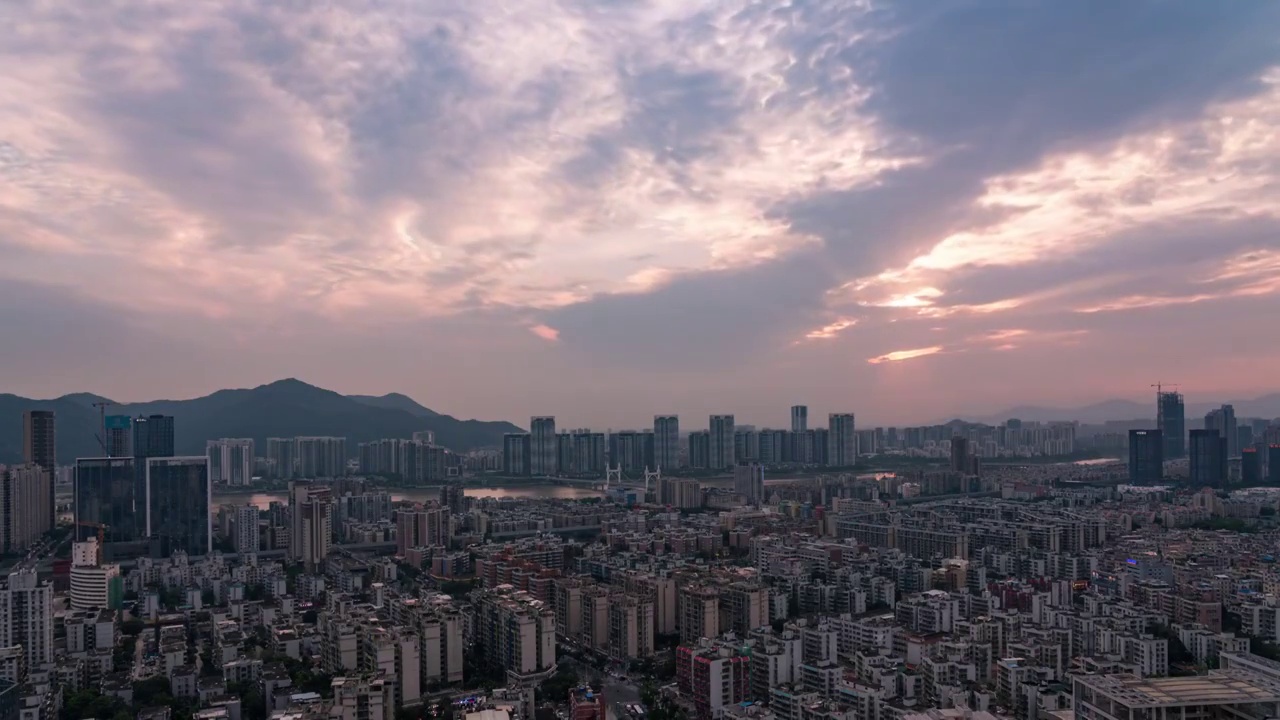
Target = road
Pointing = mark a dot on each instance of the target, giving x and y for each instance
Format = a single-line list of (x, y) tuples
[(617, 693)]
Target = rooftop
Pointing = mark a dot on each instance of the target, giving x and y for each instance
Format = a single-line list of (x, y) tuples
[(1228, 687)]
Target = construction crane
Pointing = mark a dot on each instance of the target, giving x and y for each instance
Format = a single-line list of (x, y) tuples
[(101, 534), (102, 427), (1160, 386)]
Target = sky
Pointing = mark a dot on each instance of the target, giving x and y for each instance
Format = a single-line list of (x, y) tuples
[(607, 209)]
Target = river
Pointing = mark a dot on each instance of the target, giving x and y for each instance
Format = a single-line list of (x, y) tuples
[(540, 492)]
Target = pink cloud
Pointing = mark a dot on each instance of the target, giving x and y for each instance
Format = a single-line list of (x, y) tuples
[(900, 355), (545, 332)]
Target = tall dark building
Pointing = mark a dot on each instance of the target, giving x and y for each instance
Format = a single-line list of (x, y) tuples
[(1208, 458), (1146, 457), (177, 505), (516, 448), (1171, 420), (1250, 466), (119, 436), (1273, 465), (40, 447), (153, 436), (1224, 421), (106, 494), (959, 454)]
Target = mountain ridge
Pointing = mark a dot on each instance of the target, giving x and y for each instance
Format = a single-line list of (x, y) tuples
[(1123, 410), (284, 408)]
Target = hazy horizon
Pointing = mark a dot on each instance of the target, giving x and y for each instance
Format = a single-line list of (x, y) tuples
[(908, 211)]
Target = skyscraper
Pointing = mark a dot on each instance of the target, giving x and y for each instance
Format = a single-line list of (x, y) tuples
[(311, 509), (119, 436), (721, 442), (282, 454), (1224, 421), (230, 460), (960, 454), (153, 436), (106, 491), (1146, 457), (666, 441), (799, 418), (842, 440), (1171, 420), (516, 449), (542, 446), (26, 616), (321, 457), (1273, 465), (40, 447), (24, 506), (748, 481), (1208, 458), (1250, 466), (177, 505), (589, 452), (700, 449)]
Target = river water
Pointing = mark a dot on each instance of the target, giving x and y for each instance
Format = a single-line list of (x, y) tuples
[(540, 492)]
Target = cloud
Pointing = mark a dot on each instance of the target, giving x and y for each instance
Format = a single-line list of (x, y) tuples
[(900, 355), (690, 193), (546, 333)]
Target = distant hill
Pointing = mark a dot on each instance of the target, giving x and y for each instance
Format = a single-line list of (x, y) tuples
[(285, 408), (1267, 406), (396, 401)]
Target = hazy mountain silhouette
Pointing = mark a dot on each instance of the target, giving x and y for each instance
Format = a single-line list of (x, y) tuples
[(285, 408), (1267, 406)]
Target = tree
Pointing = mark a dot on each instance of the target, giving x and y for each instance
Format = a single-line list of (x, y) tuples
[(556, 688), (152, 691), (132, 627)]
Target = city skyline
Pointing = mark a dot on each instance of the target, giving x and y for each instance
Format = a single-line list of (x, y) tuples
[(666, 207)]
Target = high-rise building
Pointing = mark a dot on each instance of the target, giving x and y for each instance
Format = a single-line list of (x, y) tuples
[(799, 419), (666, 442), (1171, 421), (230, 460), (26, 616), (1250, 466), (721, 442), (589, 452), (815, 446), (1224, 421), (565, 457), (516, 454), (40, 447), (39, 439), (700, 449), (960, 454), (423, 526), (153, 436), (453, 497), (773, 446), (748, 481), (106, 494), (246, 529), (1146, 457), (282, 455), (178, 499), (94, 585), (311, 509), (842, 440), (1273, 465), (746, 445), (24, 506), (542, 446), (321, 457), (119, 436), (516, 634), (1208, 458)]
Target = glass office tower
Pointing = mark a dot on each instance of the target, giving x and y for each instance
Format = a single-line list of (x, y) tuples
[(105, 495), (177, 505)]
